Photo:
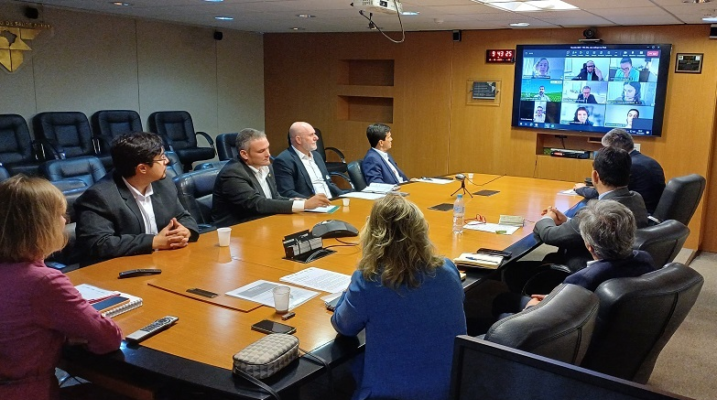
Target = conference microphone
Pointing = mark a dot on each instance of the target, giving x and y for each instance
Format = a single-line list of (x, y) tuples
[(460, 177)]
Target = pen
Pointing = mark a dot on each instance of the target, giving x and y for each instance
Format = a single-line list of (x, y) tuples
[(288, 315)]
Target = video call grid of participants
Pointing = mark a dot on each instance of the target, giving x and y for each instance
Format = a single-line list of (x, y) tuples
[(616, 91)]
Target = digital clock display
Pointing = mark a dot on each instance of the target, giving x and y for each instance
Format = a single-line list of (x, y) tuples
[(500, 56)]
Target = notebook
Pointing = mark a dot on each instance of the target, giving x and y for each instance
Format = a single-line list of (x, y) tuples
[(134, 302), (116, 302), (478, 260)]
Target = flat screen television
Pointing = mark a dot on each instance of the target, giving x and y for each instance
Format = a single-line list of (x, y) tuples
[(591, 88)]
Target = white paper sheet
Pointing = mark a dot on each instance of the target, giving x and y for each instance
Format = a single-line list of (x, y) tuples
[(326, 210), (569, 192), (493, 228), (437, 181), (363, 195), (319, 279), (261, 292)]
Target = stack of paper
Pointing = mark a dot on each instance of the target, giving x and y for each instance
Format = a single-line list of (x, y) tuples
[(478, 260)]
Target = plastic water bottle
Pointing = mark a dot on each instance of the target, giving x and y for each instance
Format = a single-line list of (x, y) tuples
[(459, 212)]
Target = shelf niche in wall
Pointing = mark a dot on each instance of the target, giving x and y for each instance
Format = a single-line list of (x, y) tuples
[(364, 90)]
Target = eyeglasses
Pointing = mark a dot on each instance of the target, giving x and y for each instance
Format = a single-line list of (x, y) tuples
[(162, 159)]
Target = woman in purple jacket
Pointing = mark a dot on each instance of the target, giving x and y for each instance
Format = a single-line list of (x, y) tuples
[(40, 309)]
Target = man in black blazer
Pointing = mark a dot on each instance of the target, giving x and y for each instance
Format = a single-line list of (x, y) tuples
[(646, 174), (245, 188), (133, 209), (300, 170)]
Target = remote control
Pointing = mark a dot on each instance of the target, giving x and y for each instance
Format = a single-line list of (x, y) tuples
[(139, 272), (151, 329)]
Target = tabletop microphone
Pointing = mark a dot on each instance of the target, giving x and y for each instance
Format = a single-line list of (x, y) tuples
[(460, 177)]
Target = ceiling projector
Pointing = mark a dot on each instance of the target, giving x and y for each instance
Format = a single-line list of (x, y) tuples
[(382, 6)]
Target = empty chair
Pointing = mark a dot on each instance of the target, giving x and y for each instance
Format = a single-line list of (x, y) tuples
[(195, 193), (637, 317), (680, 198), (110, 124), (663, 241), (177, 130), (331, 166), (356, 176), (87, 169), (211, 165), (174, 166), (17, 150), (227, 146), (67, 135), (559, 327)]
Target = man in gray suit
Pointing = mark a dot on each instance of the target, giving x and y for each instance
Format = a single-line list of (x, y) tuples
[(610, 175), (300, 170), (134, 209), (245, 188)]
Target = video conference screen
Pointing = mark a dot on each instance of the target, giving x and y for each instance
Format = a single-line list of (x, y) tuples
[(591, 88)]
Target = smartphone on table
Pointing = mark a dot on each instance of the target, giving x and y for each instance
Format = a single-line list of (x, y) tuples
[(269, 326)]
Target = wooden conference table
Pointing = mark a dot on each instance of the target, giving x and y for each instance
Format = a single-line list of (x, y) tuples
[(198, 349)]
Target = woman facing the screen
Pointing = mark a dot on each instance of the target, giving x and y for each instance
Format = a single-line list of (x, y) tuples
[(542, 69), (632, 114), (581, 117), (409, 301), (630, 93), (40, 309)]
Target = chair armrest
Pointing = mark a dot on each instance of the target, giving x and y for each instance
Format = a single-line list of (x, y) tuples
[(52, 148), (206, 136), (101, 144), (338, 153), (653, 221), (560, 267)]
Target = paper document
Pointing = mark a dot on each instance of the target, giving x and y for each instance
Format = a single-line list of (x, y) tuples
[(493, 228), (437, 181), (570, 192), (327, 209), (93, 294), (319, 279), (363, 195), (261, 292), (380, 188)]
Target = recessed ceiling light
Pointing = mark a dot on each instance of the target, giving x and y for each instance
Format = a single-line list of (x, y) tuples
[(696, 1), (528, 5), (305, 16), (410, 13), (520, 24), (224, 18), (297, 29), (709, 19), (120, 4), (213, 1)]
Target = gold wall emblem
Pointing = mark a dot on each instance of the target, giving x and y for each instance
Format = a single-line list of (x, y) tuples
[(13, 41)]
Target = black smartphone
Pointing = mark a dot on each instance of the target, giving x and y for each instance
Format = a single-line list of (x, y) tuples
[(269, 326), (202, 292)]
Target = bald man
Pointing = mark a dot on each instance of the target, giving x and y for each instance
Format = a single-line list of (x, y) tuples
[(300, 170)]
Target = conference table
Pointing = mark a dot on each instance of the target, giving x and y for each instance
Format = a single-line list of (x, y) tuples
[(197, 351)]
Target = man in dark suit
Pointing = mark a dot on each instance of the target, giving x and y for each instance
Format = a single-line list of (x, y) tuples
[(300, 170), (646, 174), (245, 188), (377, 165), (586, 96), (610, 175), (134, 209)]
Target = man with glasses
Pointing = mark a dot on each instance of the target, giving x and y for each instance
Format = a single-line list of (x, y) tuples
[(133, 209), (589, 72)]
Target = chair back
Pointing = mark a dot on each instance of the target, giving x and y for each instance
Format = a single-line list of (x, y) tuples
[(16, 150), (195, 193), (174, 167), (637, 317), (319, 144), (211, 165), (4, 174), (175, 127), (88, 169), (69, 131), (680, 198), (663, 241), (111, 124), (356, 176), (227, 146), (559, 327)]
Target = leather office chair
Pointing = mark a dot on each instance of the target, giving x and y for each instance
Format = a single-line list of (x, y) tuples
[(4, 174), (87, 169), (637, 317), (177, 130), (17, 150), (111, 124), (195, 193), (227, 146), (680, 198), (559, 327), (663, 241), (174, 167), (68, 259), (211, 165), (67, 135), (356, 176), (331, 166)]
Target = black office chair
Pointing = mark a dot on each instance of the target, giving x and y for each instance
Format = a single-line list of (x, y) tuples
[(87, 169), (195, 193), (17, 150), (174, 167), (356, 176), (4, 174), (211, 165), (68, 259), (663, 241), (637, 318), (559, 327), (331, 166), (111, 124), (177, 130), (227, 146), (68, 135), (680, 199)]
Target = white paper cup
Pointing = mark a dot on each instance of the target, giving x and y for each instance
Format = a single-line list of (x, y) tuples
[(470, 176), (281, 298), (346, 201), (225, 235)]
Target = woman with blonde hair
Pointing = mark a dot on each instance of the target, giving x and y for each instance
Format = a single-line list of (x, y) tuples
[(40, 308), (409, 301)]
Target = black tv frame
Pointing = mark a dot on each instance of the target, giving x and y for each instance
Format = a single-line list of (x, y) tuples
[(660, 90)]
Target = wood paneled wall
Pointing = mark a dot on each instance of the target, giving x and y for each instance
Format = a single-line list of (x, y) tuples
[(436, 132)]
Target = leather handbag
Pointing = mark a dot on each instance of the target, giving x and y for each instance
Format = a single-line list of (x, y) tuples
[(266, 356)]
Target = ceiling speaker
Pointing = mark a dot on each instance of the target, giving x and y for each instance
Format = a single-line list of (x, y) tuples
[(218, 35), (31, 13)]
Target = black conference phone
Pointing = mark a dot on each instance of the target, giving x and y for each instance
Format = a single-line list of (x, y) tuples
[(334, 228)]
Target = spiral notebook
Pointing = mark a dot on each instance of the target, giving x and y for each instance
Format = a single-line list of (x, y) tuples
[(134, 302), (95, 295)]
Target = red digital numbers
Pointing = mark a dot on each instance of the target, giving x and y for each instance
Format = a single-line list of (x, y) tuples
[(500, 56)]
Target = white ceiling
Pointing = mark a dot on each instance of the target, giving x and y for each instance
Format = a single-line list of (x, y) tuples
[(339, 16)]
